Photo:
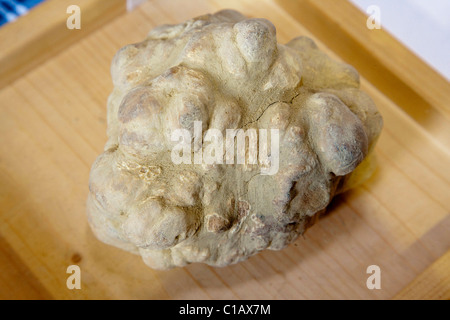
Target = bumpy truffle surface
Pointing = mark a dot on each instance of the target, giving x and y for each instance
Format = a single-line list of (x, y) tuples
[(224, 71)]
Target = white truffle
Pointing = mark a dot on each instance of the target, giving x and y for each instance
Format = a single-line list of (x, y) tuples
[(226, 72)]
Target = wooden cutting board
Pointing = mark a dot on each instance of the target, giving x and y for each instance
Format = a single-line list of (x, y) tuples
[(54, 87)]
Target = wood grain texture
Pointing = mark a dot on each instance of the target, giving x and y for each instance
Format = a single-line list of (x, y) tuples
[(430, 284), (53, 126), (43, 33), (418, 89)]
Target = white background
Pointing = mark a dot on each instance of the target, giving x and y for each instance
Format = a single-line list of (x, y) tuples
[(421, 25)]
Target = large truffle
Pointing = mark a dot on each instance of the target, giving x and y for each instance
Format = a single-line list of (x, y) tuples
[(221, 72)]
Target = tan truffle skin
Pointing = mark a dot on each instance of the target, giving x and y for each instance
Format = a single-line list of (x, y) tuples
[(228, 72)]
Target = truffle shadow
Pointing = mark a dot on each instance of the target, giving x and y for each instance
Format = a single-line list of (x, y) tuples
[(281, 274)]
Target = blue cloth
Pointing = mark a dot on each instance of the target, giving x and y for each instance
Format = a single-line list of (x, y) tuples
[(10, 10)]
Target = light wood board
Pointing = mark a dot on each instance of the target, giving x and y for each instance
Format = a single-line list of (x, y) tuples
[(52, 127)]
